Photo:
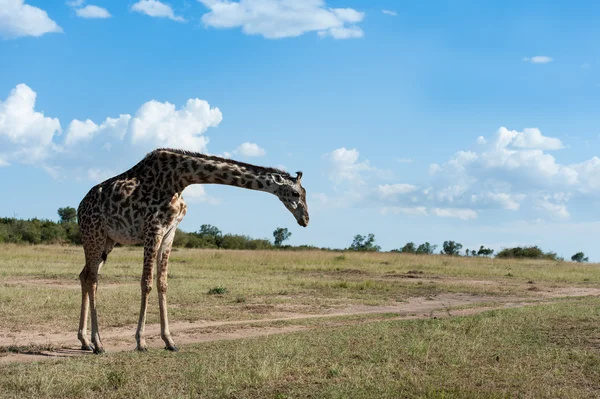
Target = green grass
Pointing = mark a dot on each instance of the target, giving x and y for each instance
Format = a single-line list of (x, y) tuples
[(547, 351)]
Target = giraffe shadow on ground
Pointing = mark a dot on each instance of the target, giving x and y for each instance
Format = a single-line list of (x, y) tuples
[(25, 354)]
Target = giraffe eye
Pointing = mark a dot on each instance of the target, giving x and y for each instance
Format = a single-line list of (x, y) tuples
[(295, 195)]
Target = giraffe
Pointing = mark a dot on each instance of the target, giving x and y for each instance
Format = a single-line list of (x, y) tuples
[(144, 205)]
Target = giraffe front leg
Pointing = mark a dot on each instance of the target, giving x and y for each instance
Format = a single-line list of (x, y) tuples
[(163, 265), (150, 250), (146, 287), (92, 289)]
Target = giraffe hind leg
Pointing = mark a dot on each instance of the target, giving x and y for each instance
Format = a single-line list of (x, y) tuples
[(88, 277), (89, 282)]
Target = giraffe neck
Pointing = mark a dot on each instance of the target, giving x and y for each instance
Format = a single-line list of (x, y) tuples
[(193, 168)]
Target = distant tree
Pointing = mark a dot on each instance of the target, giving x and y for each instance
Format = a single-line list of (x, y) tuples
[(67, 214), (451, 248), (426, 249), (361, 243), (208, 236), (409, 248), (280, 235), (484, 251), (579, 257), (209, 230)]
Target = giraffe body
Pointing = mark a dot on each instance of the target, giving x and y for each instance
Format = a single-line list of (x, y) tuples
[(145, 205)]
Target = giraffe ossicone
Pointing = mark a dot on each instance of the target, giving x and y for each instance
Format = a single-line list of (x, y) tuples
[(144, 205)]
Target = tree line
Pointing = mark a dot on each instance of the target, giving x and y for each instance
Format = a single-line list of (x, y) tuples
[(66, 231), (452, 248)]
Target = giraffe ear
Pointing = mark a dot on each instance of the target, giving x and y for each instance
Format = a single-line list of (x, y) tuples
[(299, 176), (278, 179)]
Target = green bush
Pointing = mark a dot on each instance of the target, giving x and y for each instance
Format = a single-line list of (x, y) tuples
[(526, 252), (36, 231)]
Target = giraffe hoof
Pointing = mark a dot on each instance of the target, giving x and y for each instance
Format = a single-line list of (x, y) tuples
[(87, 347), (141, 349), (172, 348), (98, 351)]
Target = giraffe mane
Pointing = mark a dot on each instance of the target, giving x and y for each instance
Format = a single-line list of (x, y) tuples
[(255, 168)]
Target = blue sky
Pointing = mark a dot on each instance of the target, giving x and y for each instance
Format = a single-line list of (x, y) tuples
[(416, 121)]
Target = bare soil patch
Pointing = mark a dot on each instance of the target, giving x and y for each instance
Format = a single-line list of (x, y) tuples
[(58, 283), (25, 345)]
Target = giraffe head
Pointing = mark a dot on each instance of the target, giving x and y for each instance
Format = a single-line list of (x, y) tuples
[(290, 191)]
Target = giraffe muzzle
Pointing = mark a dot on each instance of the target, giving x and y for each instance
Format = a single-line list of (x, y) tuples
[(303, 222)]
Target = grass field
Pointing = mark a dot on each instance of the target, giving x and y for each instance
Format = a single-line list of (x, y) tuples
[(305, 324)]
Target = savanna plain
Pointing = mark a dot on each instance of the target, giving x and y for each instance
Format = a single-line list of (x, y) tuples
[(304, 324)]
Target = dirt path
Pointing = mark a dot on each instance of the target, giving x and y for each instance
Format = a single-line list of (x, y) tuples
[(122, 338)]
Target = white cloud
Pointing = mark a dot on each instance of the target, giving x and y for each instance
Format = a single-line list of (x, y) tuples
[(509, 171), (79, 130), (554, 210), (18, 19), (92, 11), (510, 167), (434, 168), (344, 166), (390, 191), (275, 19), (530, 138), (25, 134), (161, 124), (342, 33), (588, 175), (404, 160), (54, 171), (538, 59), (28, 136), (459, 213), (321, 198), (85, 131), (505, 200), (250, 150), (389, 12), (98, 175), (155, 8), (450, 193), (519, 157), (196, 193), (410, 211), (75, 3)]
